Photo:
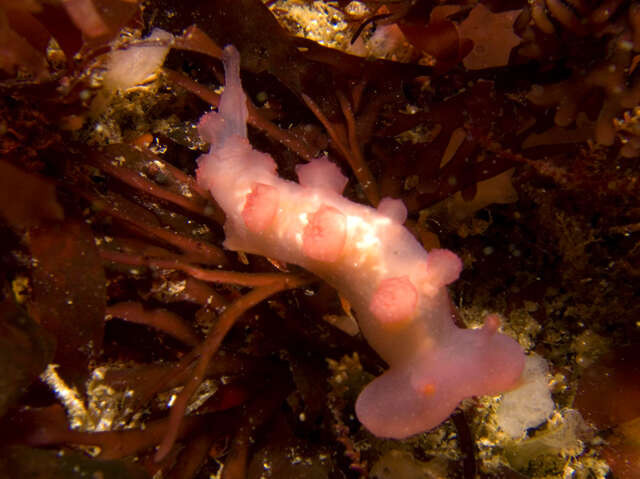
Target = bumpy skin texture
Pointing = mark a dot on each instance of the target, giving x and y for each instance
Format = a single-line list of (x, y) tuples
[(397, 289)]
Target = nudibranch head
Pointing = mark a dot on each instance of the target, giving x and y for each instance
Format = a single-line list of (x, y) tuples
[(412, 398)]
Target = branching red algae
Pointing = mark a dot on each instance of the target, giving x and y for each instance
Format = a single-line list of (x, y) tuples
[(210, 346)]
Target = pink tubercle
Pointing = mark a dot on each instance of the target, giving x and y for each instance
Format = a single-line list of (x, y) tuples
[(321, 173), (393, 209), (260, 207), (442, 267), (324, 236), (492, 324), (208, 126), (394, 301)]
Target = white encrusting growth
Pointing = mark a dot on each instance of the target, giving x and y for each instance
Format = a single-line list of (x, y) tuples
[(396, 288)]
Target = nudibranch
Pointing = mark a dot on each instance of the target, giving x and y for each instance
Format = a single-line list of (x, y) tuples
[(397, 289)]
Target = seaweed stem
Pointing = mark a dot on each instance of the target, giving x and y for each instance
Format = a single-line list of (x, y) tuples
[(255, 118), (211, 345)]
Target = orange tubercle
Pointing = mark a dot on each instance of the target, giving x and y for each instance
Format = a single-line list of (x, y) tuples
[(428, 389)]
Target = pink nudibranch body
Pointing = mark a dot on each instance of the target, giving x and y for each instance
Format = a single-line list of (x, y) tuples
[(396, 288)]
